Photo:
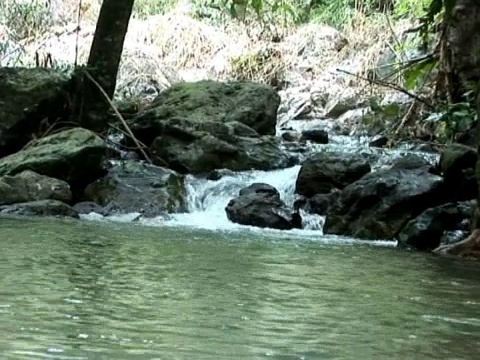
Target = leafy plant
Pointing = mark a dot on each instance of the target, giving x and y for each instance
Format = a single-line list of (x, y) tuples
[(454, 118)]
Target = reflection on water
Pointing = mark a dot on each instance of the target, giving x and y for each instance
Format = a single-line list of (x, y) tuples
[(76, 290)]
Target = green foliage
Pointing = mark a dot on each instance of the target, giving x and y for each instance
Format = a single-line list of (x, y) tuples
[(451, 119), (381, 115), (416, 75), (25, 18)]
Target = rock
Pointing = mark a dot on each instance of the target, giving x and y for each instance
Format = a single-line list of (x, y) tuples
[(457, 157), (316, 136), (132, 186), (320, 203), (426, 230), (30, 186), (338, 106), (188, 146), (351, 120), (87, 207), (468, 248), (290, 136), (40, 208), (252, 104), (27, 97), (412, 162), (74, 156), (378, 141), (260, 205), (204, 126), (326, 171), (378, 205), (457, 163)]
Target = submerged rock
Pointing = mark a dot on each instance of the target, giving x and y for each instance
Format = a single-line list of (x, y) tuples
[(74, 156), (27, 97), (426, 230), (30, 186), (378, 205), (132, 186), (40, 208), (260, 205), (326, 171)]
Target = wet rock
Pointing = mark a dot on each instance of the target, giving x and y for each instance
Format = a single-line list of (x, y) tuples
[(251, 104), (378, 205), (326, 171), (426, 230), (74, 156), (468, 248), (87, 207), (320, 203), (457, 163), (290, 136), (412, 162), (260, 205), (30, 186), (27, 97), (132, 186), (378, 141), (40, 208), (189, 146), (316, 136)]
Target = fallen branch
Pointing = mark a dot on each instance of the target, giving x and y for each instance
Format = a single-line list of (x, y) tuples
[(390, 86), (122, 120)]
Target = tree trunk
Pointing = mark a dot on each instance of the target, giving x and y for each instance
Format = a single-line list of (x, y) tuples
[(464, 39), (103, 62)]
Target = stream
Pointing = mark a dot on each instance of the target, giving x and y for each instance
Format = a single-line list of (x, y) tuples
[(196, 286)]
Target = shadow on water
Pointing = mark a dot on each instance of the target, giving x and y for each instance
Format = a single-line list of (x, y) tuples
[(76, 290)]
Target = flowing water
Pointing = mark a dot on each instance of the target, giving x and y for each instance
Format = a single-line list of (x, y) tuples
[(92, 290), (196, 286)]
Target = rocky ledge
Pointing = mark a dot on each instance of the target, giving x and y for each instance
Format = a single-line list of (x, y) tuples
[(203, 127)]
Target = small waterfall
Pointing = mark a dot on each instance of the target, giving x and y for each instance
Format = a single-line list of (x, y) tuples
[(207, 199)]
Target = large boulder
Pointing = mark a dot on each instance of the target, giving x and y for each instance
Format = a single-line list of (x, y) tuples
[(252, 104), (378, 205), (426, 230), (190, 146), (74, 156), (132, 186), (326, 171), (28, 99), (457, 163), (30, 186), (260, 205), (203, 126), (40, 208)]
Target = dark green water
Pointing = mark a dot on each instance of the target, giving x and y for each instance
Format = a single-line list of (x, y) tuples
[(79, 290)]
